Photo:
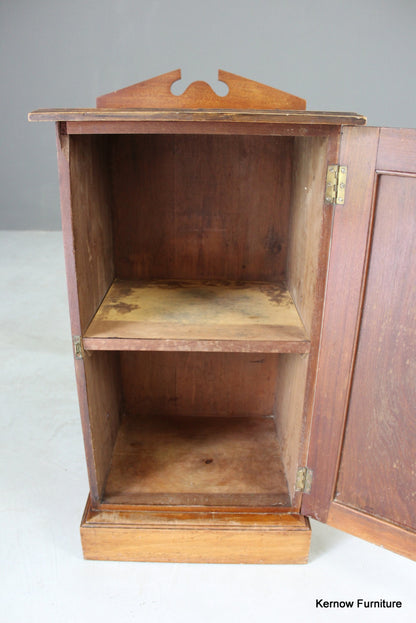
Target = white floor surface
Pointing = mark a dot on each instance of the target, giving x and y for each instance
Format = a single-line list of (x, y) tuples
[(44, 487)]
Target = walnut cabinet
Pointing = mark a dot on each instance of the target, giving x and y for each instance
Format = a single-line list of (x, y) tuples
[(241, 277)]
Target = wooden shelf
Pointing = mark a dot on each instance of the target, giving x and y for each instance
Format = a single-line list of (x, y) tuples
[(195, 460), (198, 316)]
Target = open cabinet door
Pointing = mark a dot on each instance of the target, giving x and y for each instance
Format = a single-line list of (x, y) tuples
[(363, 437)]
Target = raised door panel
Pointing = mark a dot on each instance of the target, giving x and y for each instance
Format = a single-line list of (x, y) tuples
[(365, 412)]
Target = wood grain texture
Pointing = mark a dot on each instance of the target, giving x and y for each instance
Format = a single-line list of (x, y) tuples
[(380, 432), (242, 93), (226, 127), (201, 207), (62, 145), (197, 460), (196, 311), (308, 248), (204, 537), (341, 314), (307, 216), (201, 384), (91, 222), (87, 236), (102, 399), (373, 529), (85, 115), (397, 150), (290, 415)]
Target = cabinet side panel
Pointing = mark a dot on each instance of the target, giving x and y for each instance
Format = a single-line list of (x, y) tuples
[(290, 424), (91, 222), (104, 404), (209, 384), (309, 237), (378, 463), (86, 224), (62, 145), (307, 220)]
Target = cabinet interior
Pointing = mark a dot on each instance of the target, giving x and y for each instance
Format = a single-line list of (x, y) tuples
[(198, 275)]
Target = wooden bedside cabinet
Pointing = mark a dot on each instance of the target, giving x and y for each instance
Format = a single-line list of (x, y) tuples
[(241, 278)]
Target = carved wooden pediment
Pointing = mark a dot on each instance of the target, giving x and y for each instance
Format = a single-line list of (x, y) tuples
[(243, 94)]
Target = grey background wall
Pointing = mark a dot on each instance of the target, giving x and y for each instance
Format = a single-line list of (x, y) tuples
[(355, 55)]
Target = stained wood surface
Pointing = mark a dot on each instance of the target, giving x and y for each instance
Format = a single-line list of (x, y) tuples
[(308, 252), (62, 146), (213, 537), (205, 116), (397, 150), (101, 399), (308, 215), (195, 383), (373, 529), (308, 247), (242, 93), (91, 222), (365, 400), (290, 415), (380, 434), (197, 460), (342, 304), (201, 207), (196, 311), (222, 128)]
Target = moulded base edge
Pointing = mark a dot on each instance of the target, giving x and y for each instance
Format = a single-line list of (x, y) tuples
[(193, 535)]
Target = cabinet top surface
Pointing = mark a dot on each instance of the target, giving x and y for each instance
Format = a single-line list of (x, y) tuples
[(200, 115)]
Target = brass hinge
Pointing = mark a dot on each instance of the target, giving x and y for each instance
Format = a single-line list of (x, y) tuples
[(336, 181), (78, 347), (304, 480)]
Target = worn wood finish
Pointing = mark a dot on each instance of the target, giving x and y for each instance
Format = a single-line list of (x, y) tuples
[(102, 115), (204, 537), (381, 425), (307, 216), (62, 145), (201, 207), (373, 529), (365, 484), (99, 377), (346, 267), (87, 274), (201, 384), (308, 247), (290, 414), (91, 222), (397, 150), (312, 301), (197, 460), (242, 93), (201, 128), (196, 311), (229, 203)]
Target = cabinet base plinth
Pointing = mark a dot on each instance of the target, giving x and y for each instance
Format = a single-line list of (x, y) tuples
[(195, 535)]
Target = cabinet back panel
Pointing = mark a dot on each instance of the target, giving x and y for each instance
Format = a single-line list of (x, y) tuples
[(201, 207), (209, 384)]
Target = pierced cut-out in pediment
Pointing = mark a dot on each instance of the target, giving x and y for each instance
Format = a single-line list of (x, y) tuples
[(243, 94)]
